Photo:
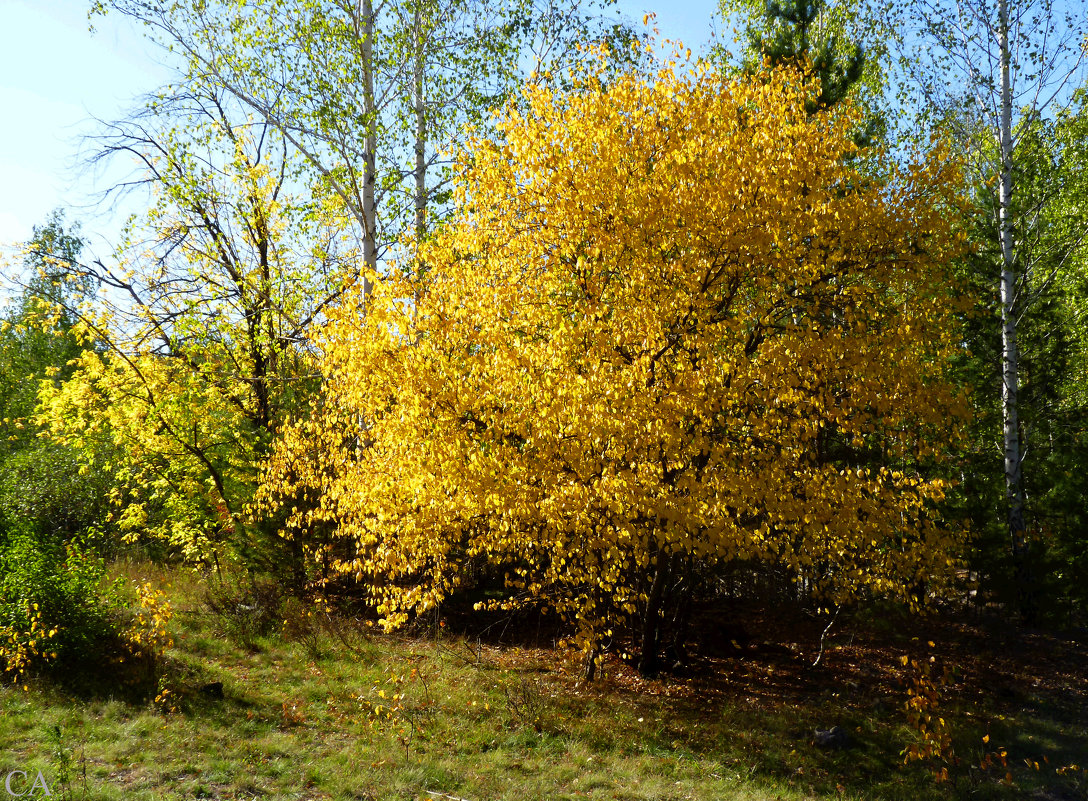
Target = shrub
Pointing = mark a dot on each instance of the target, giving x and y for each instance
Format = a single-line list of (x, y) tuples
[(246, 607), (45, 489), (53, 607), (147, 635)]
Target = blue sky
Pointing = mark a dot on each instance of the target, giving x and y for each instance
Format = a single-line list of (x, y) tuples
[(56, 76)]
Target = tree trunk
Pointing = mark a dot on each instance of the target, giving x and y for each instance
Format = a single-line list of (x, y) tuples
[(589, 667), (420, 34), (370, 169), (678, 656), (651, 624), (1010, 377)]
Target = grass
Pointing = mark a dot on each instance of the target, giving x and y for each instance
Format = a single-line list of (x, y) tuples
[(337, 712)]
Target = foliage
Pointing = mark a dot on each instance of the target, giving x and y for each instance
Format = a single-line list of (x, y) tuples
[(1054, 348), (46, 488), (52, 607), (844, 46), (669, 322), (268, 190), (150, 413), (148, 635), (27, 355), (23, 646), (59, 616), (204, 332), (46, 491), (808, 34), (792, 25), (924, 711)]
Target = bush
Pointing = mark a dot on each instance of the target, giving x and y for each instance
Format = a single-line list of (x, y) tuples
[(45, 489), (246, 607), (59, 617), (53, 608)]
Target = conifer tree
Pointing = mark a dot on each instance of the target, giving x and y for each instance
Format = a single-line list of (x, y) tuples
[(802, 32), (792, 33)]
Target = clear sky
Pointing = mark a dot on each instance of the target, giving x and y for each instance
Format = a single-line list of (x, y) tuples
[(56, 77)]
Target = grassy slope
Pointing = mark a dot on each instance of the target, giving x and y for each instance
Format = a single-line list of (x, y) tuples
[(297, 720)]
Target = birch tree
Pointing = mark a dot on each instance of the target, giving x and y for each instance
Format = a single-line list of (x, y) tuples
[(373, 94), (997, 67)]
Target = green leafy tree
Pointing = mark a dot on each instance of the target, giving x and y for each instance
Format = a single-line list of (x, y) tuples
[(205, 329), (989, 71), (842, 46), (44, 489), (791, 31), (37, 342)]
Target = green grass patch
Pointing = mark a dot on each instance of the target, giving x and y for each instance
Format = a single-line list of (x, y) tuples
[(345, 713)]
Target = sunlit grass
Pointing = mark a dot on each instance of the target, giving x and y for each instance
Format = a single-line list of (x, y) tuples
[(363, 716)]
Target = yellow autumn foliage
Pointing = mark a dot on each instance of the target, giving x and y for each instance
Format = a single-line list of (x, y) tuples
[(669, 316), (199, 342)]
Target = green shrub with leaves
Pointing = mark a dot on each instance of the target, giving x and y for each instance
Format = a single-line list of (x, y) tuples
[(46, 489), (54, 608)]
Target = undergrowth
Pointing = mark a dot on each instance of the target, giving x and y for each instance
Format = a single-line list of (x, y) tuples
[(321, 707)]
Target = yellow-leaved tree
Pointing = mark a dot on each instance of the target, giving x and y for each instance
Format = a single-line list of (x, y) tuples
[(201, 331), (671, 322)]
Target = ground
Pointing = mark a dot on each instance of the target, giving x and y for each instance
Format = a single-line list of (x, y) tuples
[(327, 708)]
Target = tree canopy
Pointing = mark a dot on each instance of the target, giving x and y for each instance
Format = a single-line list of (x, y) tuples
[(668, 320), (204, 326)]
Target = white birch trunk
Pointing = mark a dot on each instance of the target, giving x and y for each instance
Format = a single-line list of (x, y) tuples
[(1010, 378), (421, 122), (370, 170)]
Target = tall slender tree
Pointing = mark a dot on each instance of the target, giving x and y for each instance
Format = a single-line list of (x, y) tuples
[(997, 66), (373, 95)]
